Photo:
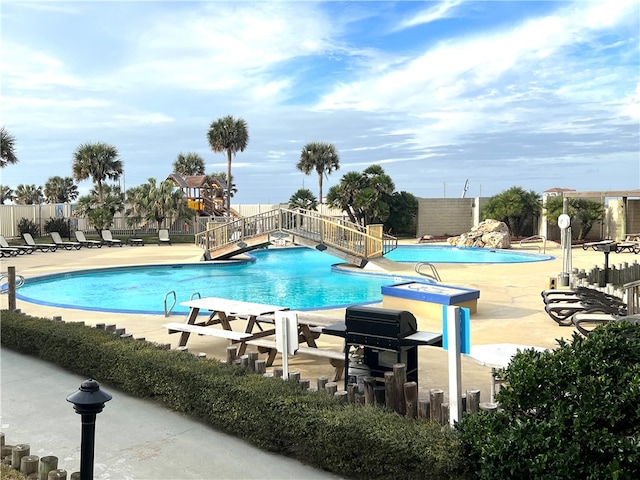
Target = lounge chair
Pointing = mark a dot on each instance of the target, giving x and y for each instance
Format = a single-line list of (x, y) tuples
[(108, 240), (43, 247), (562, 312), (57, 239), (9, 252), (631, 247), (22, 249), (163, 237), (80, 237), (588, 320), (595, 245)]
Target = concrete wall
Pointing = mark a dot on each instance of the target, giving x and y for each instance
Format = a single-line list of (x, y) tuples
[(447, 216)]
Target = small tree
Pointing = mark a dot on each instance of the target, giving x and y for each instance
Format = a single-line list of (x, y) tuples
[(584, 212), (303, 199)]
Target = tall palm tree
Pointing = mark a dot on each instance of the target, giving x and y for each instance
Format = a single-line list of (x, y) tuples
[(157, 202), (98, 161), (60, 190), (28, 195), (7, 148), (6, 193), (321, 157), (101, 213), (188, 164), (229, 135)]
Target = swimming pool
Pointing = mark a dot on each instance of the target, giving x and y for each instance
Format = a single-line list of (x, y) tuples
[(449, 254), (299, 278)]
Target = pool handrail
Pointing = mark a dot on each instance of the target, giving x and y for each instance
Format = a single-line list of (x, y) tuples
[(168, 311), (536, 237), (434, 275)]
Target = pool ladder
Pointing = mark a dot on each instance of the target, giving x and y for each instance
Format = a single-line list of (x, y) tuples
[(433, 274), (172, 293), (533, 239), (19, 282)]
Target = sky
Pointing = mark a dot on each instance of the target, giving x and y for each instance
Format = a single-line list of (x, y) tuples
[(498, 94)]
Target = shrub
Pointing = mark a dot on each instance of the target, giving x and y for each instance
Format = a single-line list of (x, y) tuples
[(28, 226), (573, 413), (59, 225), (354, 442)]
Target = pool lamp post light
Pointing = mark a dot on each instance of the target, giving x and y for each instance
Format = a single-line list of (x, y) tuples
[(88, 401)]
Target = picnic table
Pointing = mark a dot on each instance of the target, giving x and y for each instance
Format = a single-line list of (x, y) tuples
[(222, 312)]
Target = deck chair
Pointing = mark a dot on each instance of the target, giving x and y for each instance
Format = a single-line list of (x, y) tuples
[(108, 240), (22, 249), (80, 237), (57, 239), (595, 245), (587, 321), (163, 237), (631, 247), (9, 252), (43, 247), (562, 312)]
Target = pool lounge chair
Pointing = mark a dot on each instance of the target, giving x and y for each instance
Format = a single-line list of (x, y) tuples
[(80, 237), (108, 240), (9, 252), (587, 321), (22, 249), (163, 237), (595, 245), (562, 312), (631, 247), (43, 247), (57, 239)]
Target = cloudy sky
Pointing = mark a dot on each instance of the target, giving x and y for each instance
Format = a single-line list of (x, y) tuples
[(533, 94)]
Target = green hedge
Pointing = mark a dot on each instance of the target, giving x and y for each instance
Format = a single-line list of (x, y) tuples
[(573, 413), (355, 442)]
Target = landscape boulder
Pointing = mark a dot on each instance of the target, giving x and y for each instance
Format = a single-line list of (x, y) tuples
[(487, 234)]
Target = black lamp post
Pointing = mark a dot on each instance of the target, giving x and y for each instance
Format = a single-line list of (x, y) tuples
[(88, 401)]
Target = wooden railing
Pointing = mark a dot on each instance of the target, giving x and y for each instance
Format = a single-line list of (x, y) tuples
[(350, 238)]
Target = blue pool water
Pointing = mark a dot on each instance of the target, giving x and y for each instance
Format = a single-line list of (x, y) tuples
[(298, 278), (448, 254)]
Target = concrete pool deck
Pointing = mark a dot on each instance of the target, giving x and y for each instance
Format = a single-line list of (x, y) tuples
[(510, 309), (140, 439)]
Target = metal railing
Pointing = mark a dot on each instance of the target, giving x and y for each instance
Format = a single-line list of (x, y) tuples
[(534, 238), (433, 273)]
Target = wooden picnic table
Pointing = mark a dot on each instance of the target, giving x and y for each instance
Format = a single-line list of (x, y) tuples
[(223, 311)]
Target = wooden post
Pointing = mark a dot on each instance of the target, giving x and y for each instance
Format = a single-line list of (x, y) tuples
[(201, 356), (47, 464), (331, 387), (294, 376), (399, 379), (424, 410), (75, 476), (244, 361), (277, 372), (445, 413), (489, 407), (321, 382), (369, 384), (126, 336), (473, 401), (436, 399), (253, 356), (261, 366), (389, 392), (232, 352), (378, 394), (59, 474), (17, 452), (341, 396), (411, 399), (111, 328), (352, 388), (100, 326), (29, 464), (57, 318), (182, 349), (119, 332), (305, 383), (11, 286)]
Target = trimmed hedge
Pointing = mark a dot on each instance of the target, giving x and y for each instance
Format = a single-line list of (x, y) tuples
[(573, 413), (357, 442)]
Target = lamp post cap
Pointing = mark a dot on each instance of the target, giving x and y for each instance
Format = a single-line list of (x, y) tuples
[(89, 397)]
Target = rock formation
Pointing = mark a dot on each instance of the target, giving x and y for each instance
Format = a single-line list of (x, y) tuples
[(487, 234)]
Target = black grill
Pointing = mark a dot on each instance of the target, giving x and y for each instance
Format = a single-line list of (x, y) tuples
[(376, 327)]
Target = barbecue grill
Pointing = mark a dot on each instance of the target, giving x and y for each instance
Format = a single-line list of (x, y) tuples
[(386, 336)]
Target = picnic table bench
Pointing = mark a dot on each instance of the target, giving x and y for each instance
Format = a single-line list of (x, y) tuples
[(222, 312)]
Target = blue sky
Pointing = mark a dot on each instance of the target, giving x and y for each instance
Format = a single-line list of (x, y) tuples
[(535, 94)]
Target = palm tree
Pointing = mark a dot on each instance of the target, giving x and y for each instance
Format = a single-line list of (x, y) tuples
[(7, 148), (222, 177), (228, 135), (6, 193), (158, 202), (321, 157), (188, 164), (60, 190), (28, 195), (303, 199), (98, 161), (343, 195), (516, 207), (101, 213)]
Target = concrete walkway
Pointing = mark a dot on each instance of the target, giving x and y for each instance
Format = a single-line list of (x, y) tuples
[(510, 312)]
